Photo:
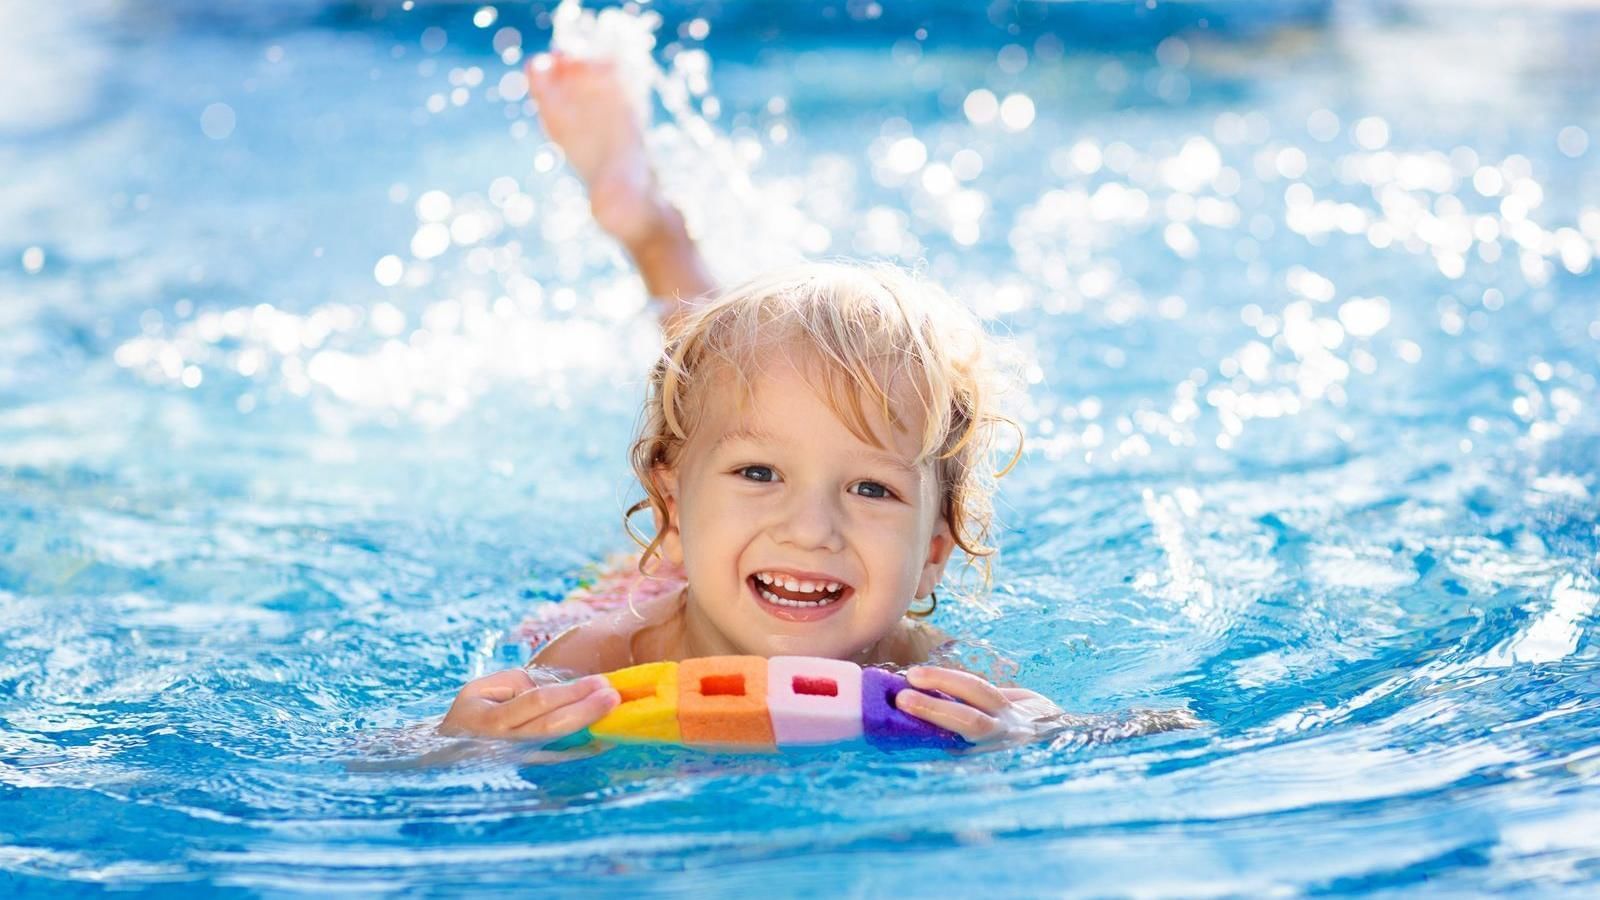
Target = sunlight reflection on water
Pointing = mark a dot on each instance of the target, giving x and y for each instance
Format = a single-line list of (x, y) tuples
[(307, 400)]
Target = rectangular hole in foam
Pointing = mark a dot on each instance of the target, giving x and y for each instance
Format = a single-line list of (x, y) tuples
[(816, 687), (722, 686), (637, 692)]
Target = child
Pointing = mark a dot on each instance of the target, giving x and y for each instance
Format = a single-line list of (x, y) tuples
[(815, 444)]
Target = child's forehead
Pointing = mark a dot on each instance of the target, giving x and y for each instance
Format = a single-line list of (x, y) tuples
[(753, 403), (765, 404), (756, 390)]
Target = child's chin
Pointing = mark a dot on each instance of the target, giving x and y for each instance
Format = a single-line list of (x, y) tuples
[(830, 646)]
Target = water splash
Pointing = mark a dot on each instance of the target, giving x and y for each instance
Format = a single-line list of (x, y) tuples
[(492, 312)]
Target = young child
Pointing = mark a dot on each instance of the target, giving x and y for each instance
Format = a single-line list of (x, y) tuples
[(815, 445)]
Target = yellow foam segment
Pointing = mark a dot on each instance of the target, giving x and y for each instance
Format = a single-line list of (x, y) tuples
[(649, 708)]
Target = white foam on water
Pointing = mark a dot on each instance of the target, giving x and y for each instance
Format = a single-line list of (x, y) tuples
[(53, 62), (1554, 634)]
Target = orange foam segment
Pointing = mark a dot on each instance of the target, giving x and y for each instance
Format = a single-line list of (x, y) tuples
[(722, 701)]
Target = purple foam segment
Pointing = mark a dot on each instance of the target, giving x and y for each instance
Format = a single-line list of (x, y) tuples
[(886, 727), (813, 700)]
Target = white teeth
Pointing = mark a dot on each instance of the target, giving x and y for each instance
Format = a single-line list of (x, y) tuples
[(775, 600), (787, 583)]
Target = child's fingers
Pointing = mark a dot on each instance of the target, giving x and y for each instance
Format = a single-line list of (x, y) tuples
[(963, 686), (573, 717), (1014, 693), (530, 705), (973, 724), (502, 686)]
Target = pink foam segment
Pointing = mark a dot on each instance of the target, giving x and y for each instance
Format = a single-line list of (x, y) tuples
[(813, 700)]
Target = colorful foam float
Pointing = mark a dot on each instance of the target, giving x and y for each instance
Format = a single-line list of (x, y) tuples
[(753, 703)]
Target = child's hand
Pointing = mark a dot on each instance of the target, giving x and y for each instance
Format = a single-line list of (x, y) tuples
[(586, 110), (986, 714), (510, 704)]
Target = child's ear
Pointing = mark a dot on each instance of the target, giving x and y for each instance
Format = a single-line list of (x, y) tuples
[(666, 480), (940, 546)]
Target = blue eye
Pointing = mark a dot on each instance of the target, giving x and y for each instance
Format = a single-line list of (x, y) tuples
[(881, 492), (765, 474)]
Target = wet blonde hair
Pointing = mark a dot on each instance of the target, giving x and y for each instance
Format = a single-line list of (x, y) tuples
[(870, 332)]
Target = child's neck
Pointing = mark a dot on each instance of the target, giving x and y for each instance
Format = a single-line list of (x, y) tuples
[(692, 634), (685, 633), (701, 637)]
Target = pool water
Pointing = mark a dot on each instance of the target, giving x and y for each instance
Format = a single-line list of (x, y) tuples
[(315, 378)]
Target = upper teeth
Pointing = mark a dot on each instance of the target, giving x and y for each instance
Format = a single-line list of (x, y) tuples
[(793, 584)]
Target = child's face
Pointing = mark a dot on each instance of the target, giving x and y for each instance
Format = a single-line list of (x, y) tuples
[(783, 489)]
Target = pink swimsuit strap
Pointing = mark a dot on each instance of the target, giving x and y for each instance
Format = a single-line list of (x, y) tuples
[(607, 588)]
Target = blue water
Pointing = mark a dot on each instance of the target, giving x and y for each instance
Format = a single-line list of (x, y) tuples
[(1306, 299)]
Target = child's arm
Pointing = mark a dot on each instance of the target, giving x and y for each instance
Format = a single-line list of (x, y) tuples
[(587, 112), (991, 717), (672, 269)]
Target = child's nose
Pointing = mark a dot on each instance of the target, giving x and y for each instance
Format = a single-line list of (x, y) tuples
[(813, 521)]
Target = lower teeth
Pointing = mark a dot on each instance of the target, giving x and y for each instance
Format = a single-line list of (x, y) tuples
[(784, 601)]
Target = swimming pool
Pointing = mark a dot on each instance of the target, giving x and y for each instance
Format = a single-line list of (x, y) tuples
[(314, 378)]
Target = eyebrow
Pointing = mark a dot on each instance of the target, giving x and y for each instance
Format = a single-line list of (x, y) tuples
[(757, 436)]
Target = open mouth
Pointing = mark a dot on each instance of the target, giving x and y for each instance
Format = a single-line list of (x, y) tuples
[(795, 599)]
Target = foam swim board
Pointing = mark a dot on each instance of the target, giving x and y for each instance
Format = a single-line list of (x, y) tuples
[(649, 708), (753, 703)]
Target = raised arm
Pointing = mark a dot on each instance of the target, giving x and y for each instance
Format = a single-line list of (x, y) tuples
[(587, 112)]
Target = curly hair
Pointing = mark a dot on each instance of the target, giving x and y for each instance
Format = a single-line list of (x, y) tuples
[(873, 333)]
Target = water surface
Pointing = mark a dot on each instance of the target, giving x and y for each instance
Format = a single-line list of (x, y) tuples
[(315, 378)]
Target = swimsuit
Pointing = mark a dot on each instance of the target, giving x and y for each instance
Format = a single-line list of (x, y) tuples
[(606, 588)]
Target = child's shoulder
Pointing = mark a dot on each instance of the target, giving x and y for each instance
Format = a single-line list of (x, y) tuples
[(587, 648), (609, 640), (911, 644)]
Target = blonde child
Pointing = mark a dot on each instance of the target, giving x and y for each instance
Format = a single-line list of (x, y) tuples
[(815, 445)]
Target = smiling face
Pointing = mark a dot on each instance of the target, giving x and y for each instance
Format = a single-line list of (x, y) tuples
[(798, 537)]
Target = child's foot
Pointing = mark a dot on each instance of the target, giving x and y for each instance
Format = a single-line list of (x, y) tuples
[(587, 112)]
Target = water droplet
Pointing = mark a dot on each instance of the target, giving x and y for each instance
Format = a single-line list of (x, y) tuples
[(389, 270), (981, 106), (1016, 112), (1572, 141), (1372, 133), (217, 121)]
